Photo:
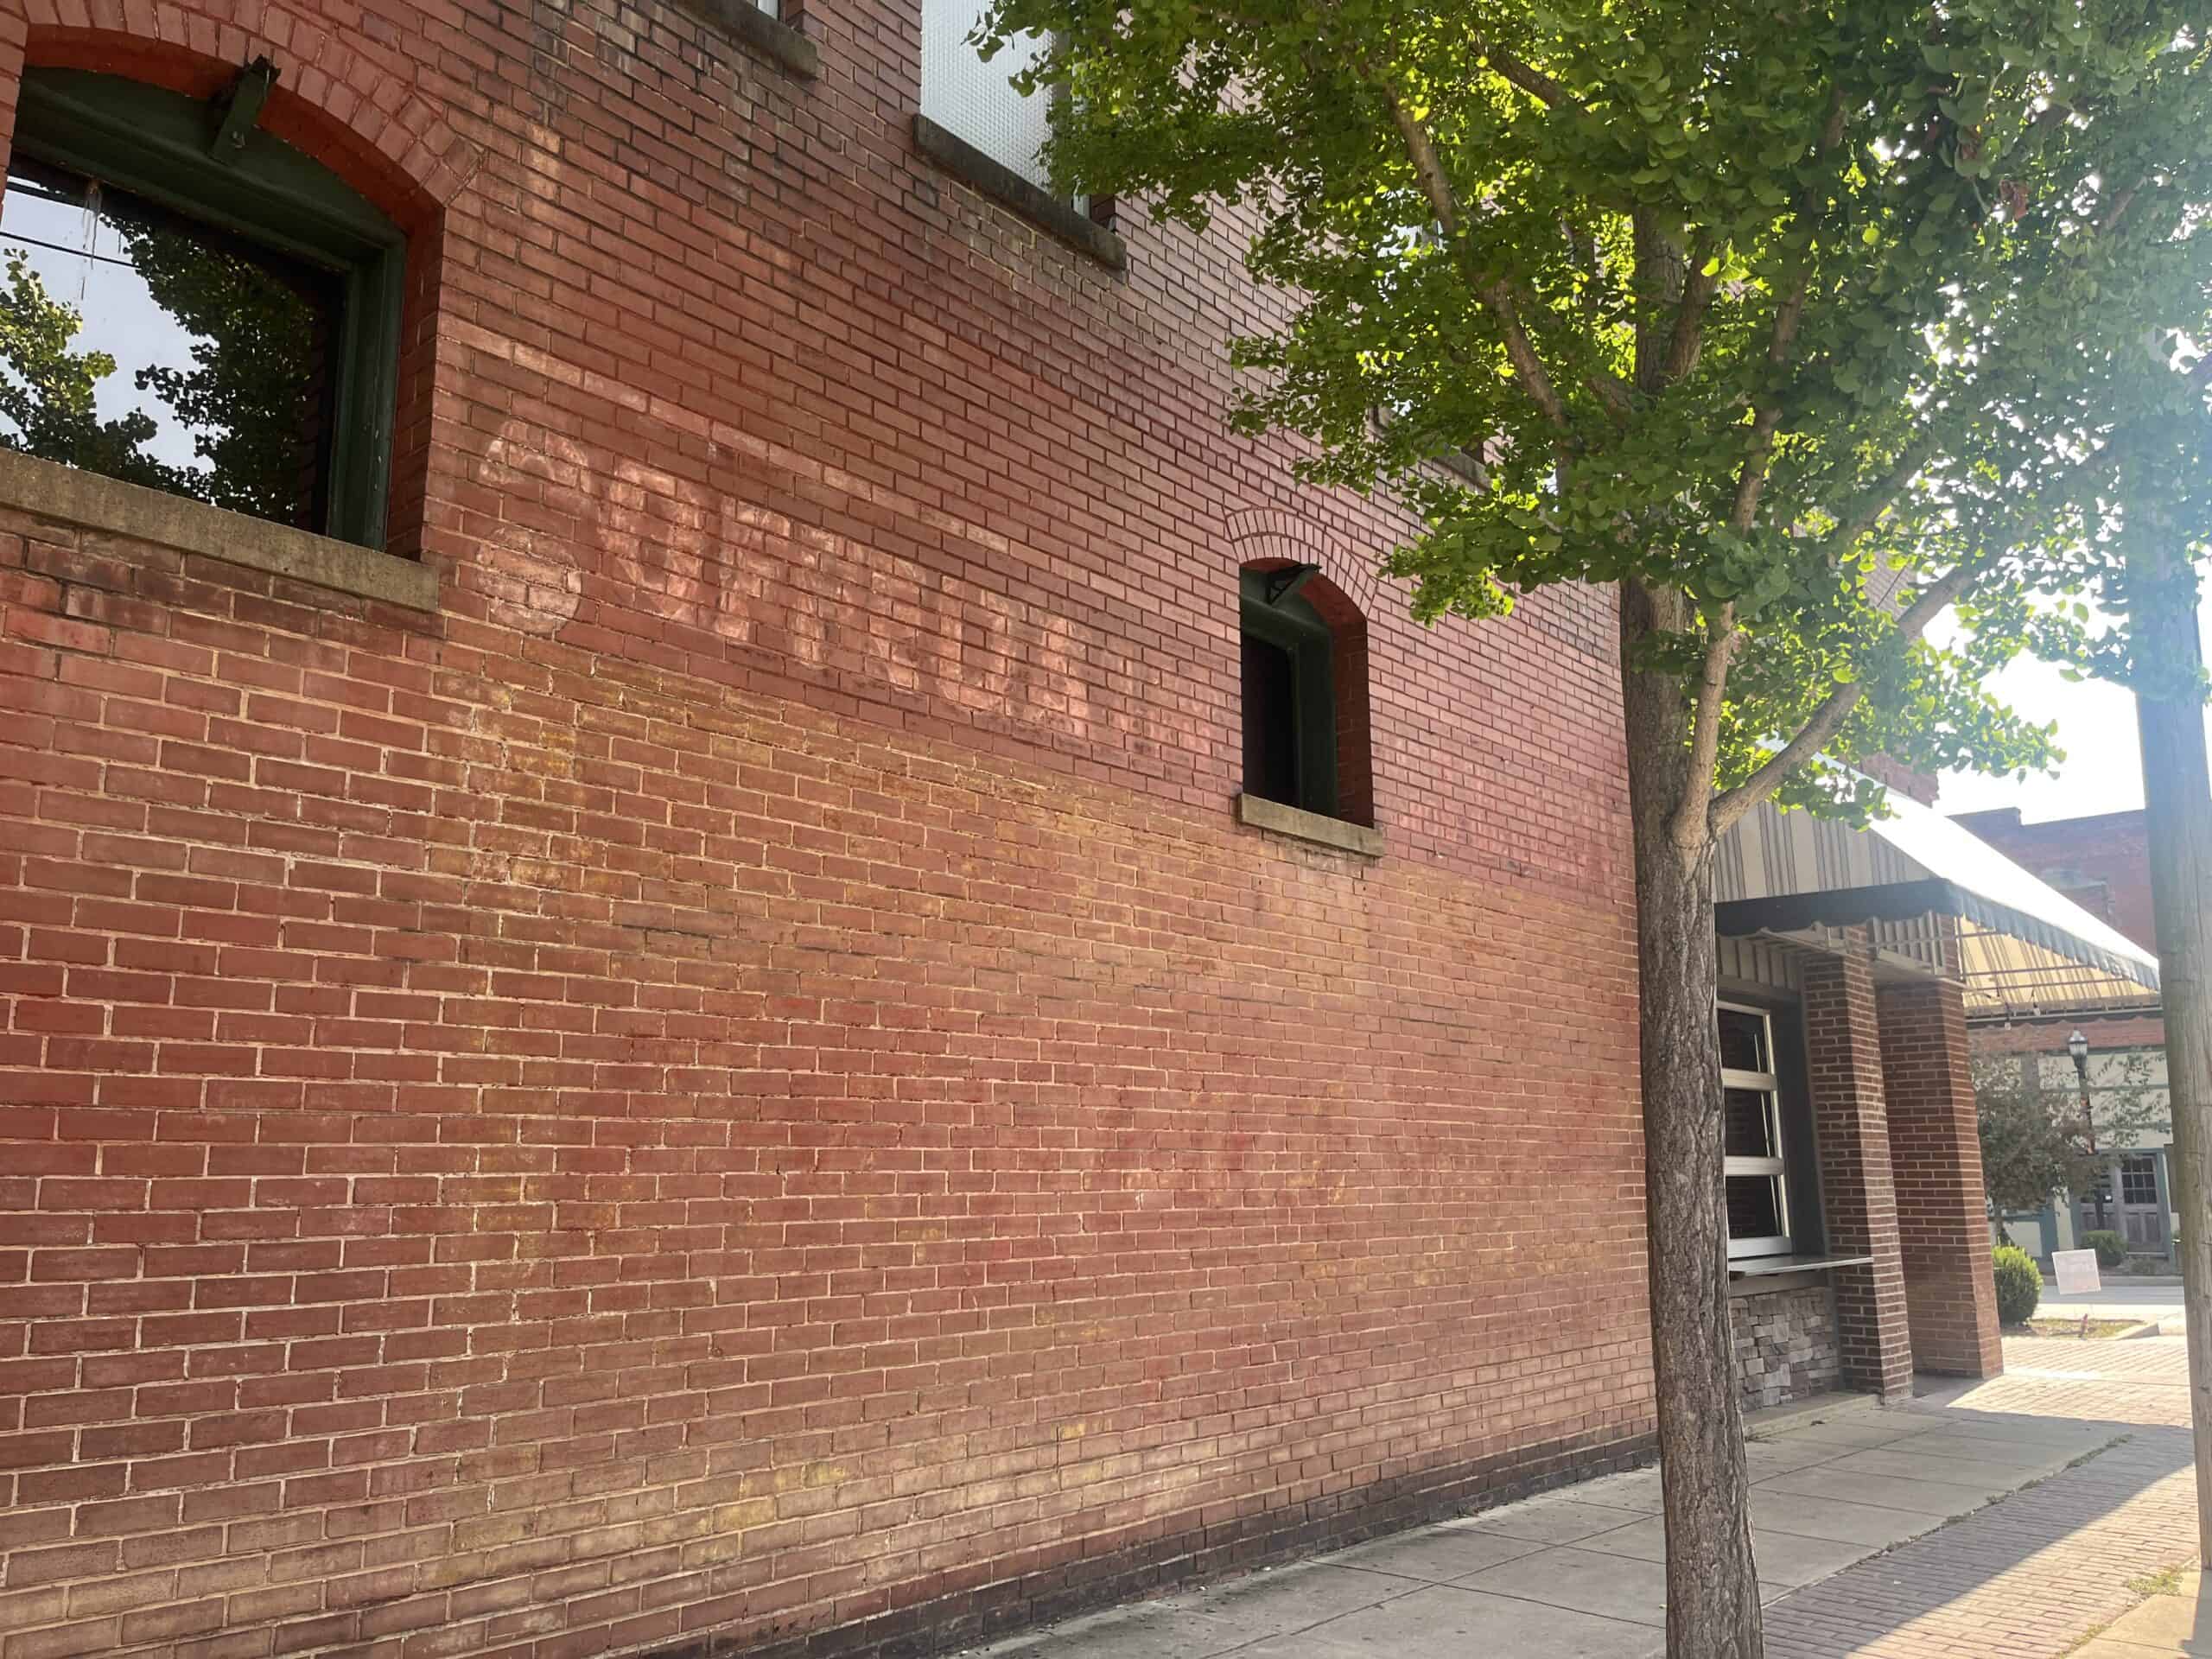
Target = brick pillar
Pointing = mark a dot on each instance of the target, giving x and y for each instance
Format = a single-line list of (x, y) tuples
[(1843, 1053), (1936, 1164)]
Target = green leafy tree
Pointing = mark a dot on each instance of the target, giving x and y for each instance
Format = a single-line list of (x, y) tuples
[(47, 400), (251, 399), (2035, 1143), (1792, 324), (252, 394)]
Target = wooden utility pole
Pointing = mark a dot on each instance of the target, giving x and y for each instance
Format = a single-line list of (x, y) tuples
[(2177, 820)]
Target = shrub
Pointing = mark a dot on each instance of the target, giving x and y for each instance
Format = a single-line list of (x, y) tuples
[(2019, 1284), (2110, 1248)]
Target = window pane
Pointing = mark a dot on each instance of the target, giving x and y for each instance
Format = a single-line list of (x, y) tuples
[(2139, 1181), (972, 98), (1754, 1206), (1747, 1124), (1270, 722), (139, 344), (1743, 1042)]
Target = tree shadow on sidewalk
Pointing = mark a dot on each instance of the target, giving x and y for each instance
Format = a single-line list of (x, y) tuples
[(2027, 1575)]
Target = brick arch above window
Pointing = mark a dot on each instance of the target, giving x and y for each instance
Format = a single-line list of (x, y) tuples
[(364, 115), (353, 110), (1258, 535)]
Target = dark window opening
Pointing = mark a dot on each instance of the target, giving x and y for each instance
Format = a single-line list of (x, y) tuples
[(1754, 1206), (1753, 1158), (1305, 694), (1270, 721), (1748, 1124), (196, 306), (1743, 1041)]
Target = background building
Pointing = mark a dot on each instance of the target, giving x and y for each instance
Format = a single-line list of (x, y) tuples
[(2102, 863)]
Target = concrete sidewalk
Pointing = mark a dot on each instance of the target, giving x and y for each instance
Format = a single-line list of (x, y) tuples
[(1577, 1574), (2165, 1624)]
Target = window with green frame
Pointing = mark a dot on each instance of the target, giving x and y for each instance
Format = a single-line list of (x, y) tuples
[(192, 304), (1290, 693)]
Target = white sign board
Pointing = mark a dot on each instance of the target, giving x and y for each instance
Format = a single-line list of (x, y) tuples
[(2076, 1271)]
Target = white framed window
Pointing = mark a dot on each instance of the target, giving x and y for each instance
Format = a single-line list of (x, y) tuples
[(1757, 1183), (970, 98)]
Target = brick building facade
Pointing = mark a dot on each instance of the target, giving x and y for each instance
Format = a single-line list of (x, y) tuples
[(696, 1050), (692, 1046)]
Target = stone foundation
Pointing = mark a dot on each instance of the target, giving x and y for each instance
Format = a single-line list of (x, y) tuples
[(1785, 1345)]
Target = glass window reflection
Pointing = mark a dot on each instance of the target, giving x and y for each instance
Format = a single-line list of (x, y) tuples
[(156, 349)]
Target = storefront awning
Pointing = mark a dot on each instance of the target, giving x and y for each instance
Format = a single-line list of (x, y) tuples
[(1935, 893)]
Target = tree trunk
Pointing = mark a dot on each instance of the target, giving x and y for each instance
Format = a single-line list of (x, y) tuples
[(1712, 1599), (2178, 822)]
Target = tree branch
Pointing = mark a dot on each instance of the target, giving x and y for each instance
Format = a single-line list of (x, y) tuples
[(1750, 481), (1729, 807), (1521, 352), (1660, 282), (1531, 81), (1789, 317), (2121, 203), (1614, 393), (1444, 202), (1421, 151), (1687, 341), (1692, 822), (1874, 501)]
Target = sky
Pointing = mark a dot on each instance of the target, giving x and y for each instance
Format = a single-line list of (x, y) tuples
[(2103, 768), (121, 316)]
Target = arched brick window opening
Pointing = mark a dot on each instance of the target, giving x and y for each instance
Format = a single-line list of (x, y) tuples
[(265, 285), (1304, 692)]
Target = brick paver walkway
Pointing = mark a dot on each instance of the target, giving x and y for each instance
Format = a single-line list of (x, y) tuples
[(2037, 1572)]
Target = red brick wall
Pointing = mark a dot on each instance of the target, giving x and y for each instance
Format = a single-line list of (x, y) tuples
[(2105, 1032), (739, 1080), (1936, 1164), (1843, 1058)]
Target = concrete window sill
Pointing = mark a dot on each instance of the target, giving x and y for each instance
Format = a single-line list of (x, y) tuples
[(1302, 825), (48, 490), (754, 29), (1759, 1266), (1007, 188)]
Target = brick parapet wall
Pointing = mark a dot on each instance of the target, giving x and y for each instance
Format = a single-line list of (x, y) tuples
[(1844, 1065), (1935, 1160), (2105, 1033), (738, 1084), (2102, 862)]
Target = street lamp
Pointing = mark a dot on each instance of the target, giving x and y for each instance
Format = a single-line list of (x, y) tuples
[(2078, 1046)]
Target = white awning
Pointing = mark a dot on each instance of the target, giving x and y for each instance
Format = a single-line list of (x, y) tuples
[(1935, 893)]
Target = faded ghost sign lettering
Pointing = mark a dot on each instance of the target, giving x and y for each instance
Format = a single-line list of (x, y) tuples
[(579, 522)]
